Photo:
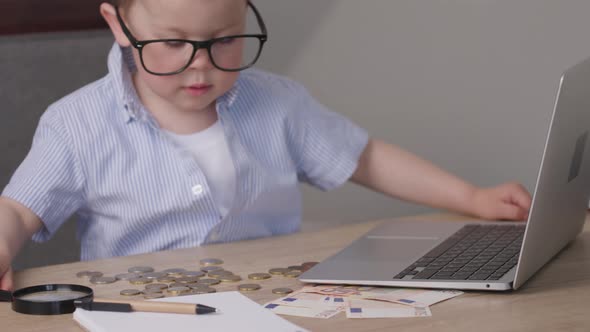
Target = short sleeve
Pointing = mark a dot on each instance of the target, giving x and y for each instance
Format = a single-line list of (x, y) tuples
[(327, 144), (49, 180)]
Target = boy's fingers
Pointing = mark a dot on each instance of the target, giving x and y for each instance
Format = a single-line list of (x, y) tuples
[(6, 280), (511, 212)]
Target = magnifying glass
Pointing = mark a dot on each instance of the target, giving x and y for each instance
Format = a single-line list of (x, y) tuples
[(54, 299)]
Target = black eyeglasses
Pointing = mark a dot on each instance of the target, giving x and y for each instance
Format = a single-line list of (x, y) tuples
[(172, 56)]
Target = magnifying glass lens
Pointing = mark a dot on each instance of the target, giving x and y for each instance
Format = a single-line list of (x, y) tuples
[(52, 296)]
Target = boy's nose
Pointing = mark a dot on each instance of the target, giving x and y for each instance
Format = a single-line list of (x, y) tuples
[(201, 60)]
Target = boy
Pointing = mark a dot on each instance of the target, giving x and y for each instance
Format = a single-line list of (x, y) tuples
[(178, 146)]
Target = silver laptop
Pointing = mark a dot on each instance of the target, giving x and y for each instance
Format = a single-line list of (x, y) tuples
[(485, 255)]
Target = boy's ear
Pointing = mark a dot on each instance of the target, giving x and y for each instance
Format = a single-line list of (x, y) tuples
[(110, 16)]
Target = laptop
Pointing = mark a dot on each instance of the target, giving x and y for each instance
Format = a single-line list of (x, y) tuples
[(485, 255)]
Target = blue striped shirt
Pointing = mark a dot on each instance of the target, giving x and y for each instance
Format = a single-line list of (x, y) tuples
[(99, 154)]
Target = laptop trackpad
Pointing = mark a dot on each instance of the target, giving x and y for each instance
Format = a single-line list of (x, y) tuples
[(389, 248)]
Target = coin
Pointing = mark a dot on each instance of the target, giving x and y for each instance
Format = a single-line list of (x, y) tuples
[(211, 268), (230, 278), (219, 273), (282, 291), (140, 269), (154, 275), (176, 284), (197, 274), (127, 276), (295, 268), (208, 281), (88, 274), (177, 290), (187, 280), (211, 261), (156, 286), (174, 271), (293, 274), (167, 279), (102, 280), (151, 296), (140, 281), (130, 292), (248, 287), (278, 271), (259, 276), (203, 290), (308, 265), (153, 291)]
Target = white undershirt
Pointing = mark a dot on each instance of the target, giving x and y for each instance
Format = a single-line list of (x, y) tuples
[(210, 149)]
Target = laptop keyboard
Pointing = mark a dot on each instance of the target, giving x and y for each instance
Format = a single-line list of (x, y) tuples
[(475, 252)]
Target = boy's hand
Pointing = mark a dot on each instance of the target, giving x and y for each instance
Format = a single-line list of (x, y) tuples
[(509, 201), (6, 279)]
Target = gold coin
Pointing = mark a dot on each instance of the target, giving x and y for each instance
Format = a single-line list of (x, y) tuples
[(153, 291), (282, 291), (167, 279), (88, 274), (230, 278), (203, 290), (176, 284), (177, 290), (140, 269), (259, 276), (219, 273), (130, 292), (102, 280), (248, 287), (156, 286), (140, 281), (151, 296), (197, 274), (209, 281), (127, 276), (278, 271), (295, 268), (211, 268), (293, 274), (210, 261)]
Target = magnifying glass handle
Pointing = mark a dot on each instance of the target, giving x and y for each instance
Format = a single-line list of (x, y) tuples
[(5, 296)]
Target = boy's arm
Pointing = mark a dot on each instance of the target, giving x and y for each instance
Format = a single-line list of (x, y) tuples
[(17, 225), (393, 171)]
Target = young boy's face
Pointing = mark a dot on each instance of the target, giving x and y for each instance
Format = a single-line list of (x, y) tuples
[(199, 85)]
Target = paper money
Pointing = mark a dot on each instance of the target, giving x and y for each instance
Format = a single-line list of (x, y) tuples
[(312, 312), (361, 308), (411, 297)]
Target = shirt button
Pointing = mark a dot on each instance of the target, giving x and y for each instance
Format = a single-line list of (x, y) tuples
[(197, 190)]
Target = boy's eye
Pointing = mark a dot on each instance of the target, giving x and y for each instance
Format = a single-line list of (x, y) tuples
[(174, 44), (226, 41)]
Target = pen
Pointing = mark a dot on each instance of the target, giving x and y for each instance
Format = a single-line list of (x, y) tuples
[(129, 306)]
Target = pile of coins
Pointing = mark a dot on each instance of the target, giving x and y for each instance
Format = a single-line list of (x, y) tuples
[(179, 281)]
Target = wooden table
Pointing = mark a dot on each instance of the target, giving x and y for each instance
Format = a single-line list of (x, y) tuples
[(555, 299)]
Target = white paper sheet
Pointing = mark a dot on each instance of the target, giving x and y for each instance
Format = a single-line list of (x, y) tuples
[(237, 313)]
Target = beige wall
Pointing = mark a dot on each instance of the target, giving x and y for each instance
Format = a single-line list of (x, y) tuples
[(469, 84)]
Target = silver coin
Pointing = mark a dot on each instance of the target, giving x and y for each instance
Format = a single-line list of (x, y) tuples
[(177, 290), (219, 273), (174, 271), (211, 268), (102, 280), (154, 275), (141, 269), (140, 281), (187, 280), (248, 287), (210, 261), (130, 292), (232, 278), (127, 276), (197, 274), (208, 281)]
